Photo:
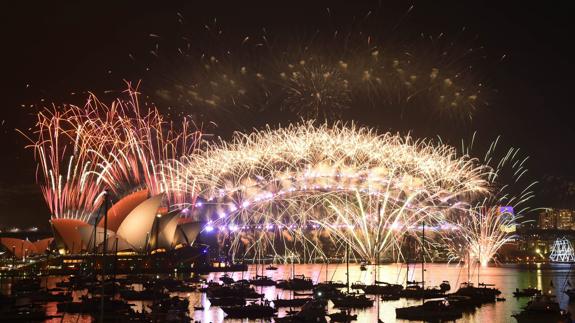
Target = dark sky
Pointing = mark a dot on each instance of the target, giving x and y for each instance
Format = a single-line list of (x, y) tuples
[(52, 49)]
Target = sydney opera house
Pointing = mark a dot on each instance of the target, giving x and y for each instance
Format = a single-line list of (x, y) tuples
[(137, 224)]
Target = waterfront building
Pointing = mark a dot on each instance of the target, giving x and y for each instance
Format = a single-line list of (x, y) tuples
[(559, 219)]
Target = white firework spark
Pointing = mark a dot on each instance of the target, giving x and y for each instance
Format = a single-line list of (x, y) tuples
[(295, 177), (491, 221)]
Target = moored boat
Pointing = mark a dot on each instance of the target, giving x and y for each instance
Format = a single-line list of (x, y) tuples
[(227, 301), (130, 294), (251, 311), (415, 290), (235, 290), (343, 316), (434, 310), (262, 281), (352, 301), (313, 311), (294, 302), (298, 282), (542, 308), (227, 279), (484, 293), (358, 285), (382, 288), (526, 292)]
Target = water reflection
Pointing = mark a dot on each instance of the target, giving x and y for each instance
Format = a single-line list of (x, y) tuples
[(549, 278)]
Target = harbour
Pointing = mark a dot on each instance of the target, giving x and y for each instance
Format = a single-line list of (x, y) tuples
[(550, 278)]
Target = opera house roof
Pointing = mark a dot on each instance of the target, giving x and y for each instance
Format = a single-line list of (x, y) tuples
[(137, 222), (22, 247)]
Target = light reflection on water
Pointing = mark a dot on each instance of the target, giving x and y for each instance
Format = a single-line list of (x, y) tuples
[(505, 277)]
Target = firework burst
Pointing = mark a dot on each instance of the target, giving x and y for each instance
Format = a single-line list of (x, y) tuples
[(64, 167), (287, 178), (491, 221), (134, 144), (320, 76), (83, 150)]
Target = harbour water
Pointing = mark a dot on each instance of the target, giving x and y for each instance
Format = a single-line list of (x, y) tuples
[(551, 278)]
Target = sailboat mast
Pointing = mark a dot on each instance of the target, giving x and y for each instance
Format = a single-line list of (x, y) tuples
[(377, 247), (423, 262), (104, 254), (292, 266), (479, 246), (376, 268), (468, 266), (407, 263), (377, 256), (257, 252), (423, 258), (347, 266), (326, 267), (478, 267), (376, 280)]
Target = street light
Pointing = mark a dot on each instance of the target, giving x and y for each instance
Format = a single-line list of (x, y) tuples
[(538, 251)]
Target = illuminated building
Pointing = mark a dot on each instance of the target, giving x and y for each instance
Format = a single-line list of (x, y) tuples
[(560, 219), (562, 251), (135, 223)]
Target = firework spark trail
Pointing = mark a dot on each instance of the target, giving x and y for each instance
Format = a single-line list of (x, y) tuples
[(136, 145), (314, 85), (295, 169), (489, 223), (82, 150), (319, 76), (323, 80), (64, 165)]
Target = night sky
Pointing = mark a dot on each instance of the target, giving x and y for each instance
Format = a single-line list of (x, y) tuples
[(52, 50)]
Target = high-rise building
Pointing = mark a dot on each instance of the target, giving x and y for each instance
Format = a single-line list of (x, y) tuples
[(565, 220), (560, 219), (547, 219)]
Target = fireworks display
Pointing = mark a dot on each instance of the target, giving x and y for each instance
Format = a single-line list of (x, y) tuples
[(308, 187), (322, 76), (302, 187), (133, 144), (491, 221), (64, 167), (83, 150), (369, 161), (304, 175)]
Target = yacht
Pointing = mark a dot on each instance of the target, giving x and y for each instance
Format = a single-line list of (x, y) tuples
[(484, 293), (352, 301), (542, 308), (526, 292), (251, 311), (262, 281), (434, 310), (298, 282)]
